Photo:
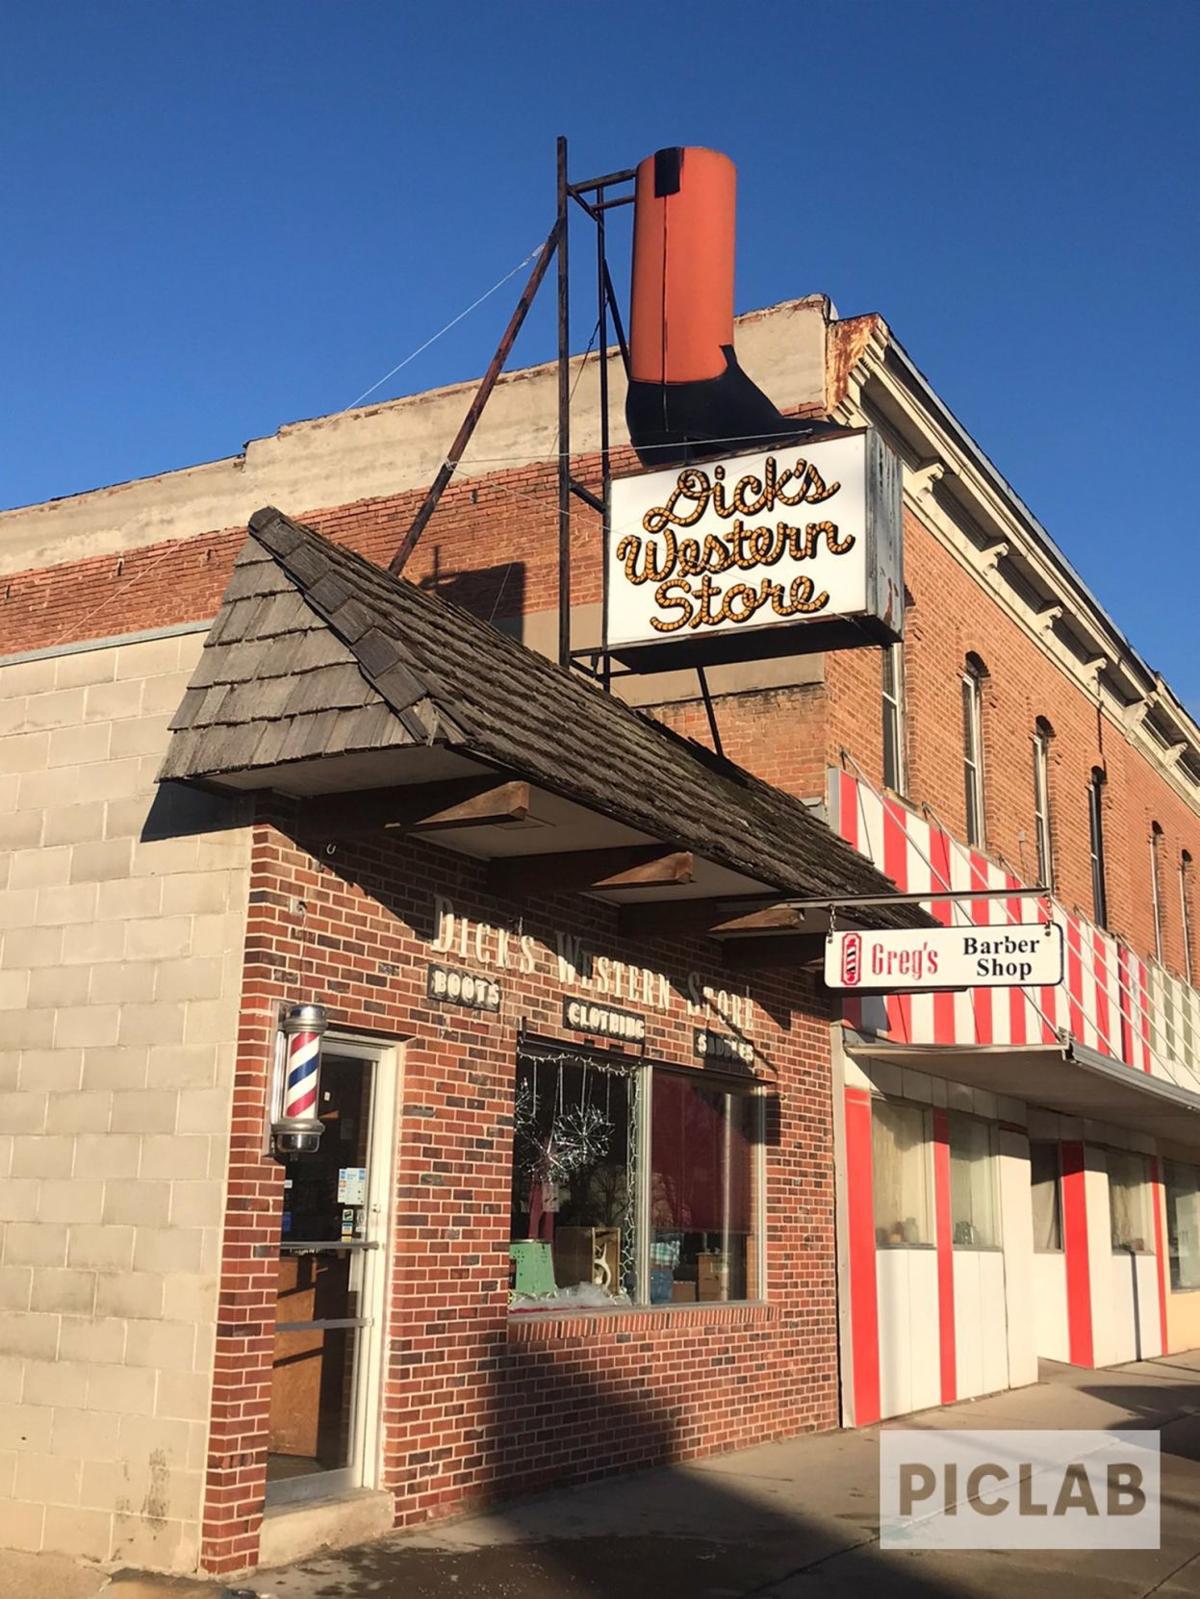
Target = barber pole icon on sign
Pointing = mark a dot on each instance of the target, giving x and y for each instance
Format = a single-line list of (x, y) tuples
[(851, 960)]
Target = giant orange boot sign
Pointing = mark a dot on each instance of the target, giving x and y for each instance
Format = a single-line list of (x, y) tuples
[(687, 394)]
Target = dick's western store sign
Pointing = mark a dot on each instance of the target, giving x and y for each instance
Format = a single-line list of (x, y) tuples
[(794, 548)]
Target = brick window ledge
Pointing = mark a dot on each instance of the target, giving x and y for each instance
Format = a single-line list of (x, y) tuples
[(545, 1326)]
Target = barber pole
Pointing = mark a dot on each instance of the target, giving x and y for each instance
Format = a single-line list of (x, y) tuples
[(297, 1128), (303, 1069)]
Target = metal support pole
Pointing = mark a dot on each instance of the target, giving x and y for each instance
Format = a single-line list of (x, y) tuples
[(710, 710), (488, 382), (564, 415), (616, 316), (591, 185), (608, 307), (605, 473), (849, 901)]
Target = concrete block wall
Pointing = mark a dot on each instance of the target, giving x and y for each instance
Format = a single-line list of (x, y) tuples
[(120, 976)]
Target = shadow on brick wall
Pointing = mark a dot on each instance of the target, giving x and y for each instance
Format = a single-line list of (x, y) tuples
[(490, 593)]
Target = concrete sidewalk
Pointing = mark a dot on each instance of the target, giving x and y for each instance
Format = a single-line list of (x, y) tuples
[(795, 1520)]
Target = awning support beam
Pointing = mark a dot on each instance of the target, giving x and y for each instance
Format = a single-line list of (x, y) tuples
[(721, 918), (595, 871), (419, 808)]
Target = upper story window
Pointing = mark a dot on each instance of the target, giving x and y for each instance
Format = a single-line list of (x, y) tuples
[(1156, 904), (1096, 841), (1042, 734), (893, 717), (972, 712), (1185, 910)]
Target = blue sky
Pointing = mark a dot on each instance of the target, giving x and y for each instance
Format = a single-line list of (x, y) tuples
[(219, 217)]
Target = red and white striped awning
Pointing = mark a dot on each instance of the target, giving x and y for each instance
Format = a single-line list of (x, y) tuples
[(1065, 1076), (1105, 1003)]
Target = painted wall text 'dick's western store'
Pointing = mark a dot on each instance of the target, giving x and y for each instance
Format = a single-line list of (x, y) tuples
[(578, 966)]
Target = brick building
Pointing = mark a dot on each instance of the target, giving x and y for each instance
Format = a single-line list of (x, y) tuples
[(158, 1352)]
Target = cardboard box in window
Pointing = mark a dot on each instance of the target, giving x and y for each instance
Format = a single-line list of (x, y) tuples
[(683, 1293), (712, 1276), (588, 1255)]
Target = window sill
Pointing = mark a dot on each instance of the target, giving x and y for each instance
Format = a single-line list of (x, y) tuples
[(892, 1248), (552, 1322), (978, 1249)]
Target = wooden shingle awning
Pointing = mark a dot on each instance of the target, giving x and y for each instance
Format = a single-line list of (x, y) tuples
[(323, 675)]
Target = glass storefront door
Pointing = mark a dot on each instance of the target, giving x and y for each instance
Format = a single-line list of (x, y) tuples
[(329, 1272)]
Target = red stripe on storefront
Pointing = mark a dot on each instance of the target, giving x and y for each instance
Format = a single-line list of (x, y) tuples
[(1103, 1009), (1075, 1249), (1159, 1252), (945, 1255), (895, 866), (981, 915), (943, 910), (860, 1227), (1075, 978), (1016, 996), (897, 1024), (847, 817)]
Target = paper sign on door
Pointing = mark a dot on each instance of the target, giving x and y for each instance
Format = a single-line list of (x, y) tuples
[(352, 1185)]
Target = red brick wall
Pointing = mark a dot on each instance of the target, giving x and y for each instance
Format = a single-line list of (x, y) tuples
[(779, 734), (474, 1406), (492, 546), (790, 735), (491, 543), (950, 614)]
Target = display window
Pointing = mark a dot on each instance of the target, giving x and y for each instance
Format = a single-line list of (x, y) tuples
[(973, 1208), (1129, 1201), (1183, 1224), (900, 1154), (632, 1184), (1045, 1196)]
